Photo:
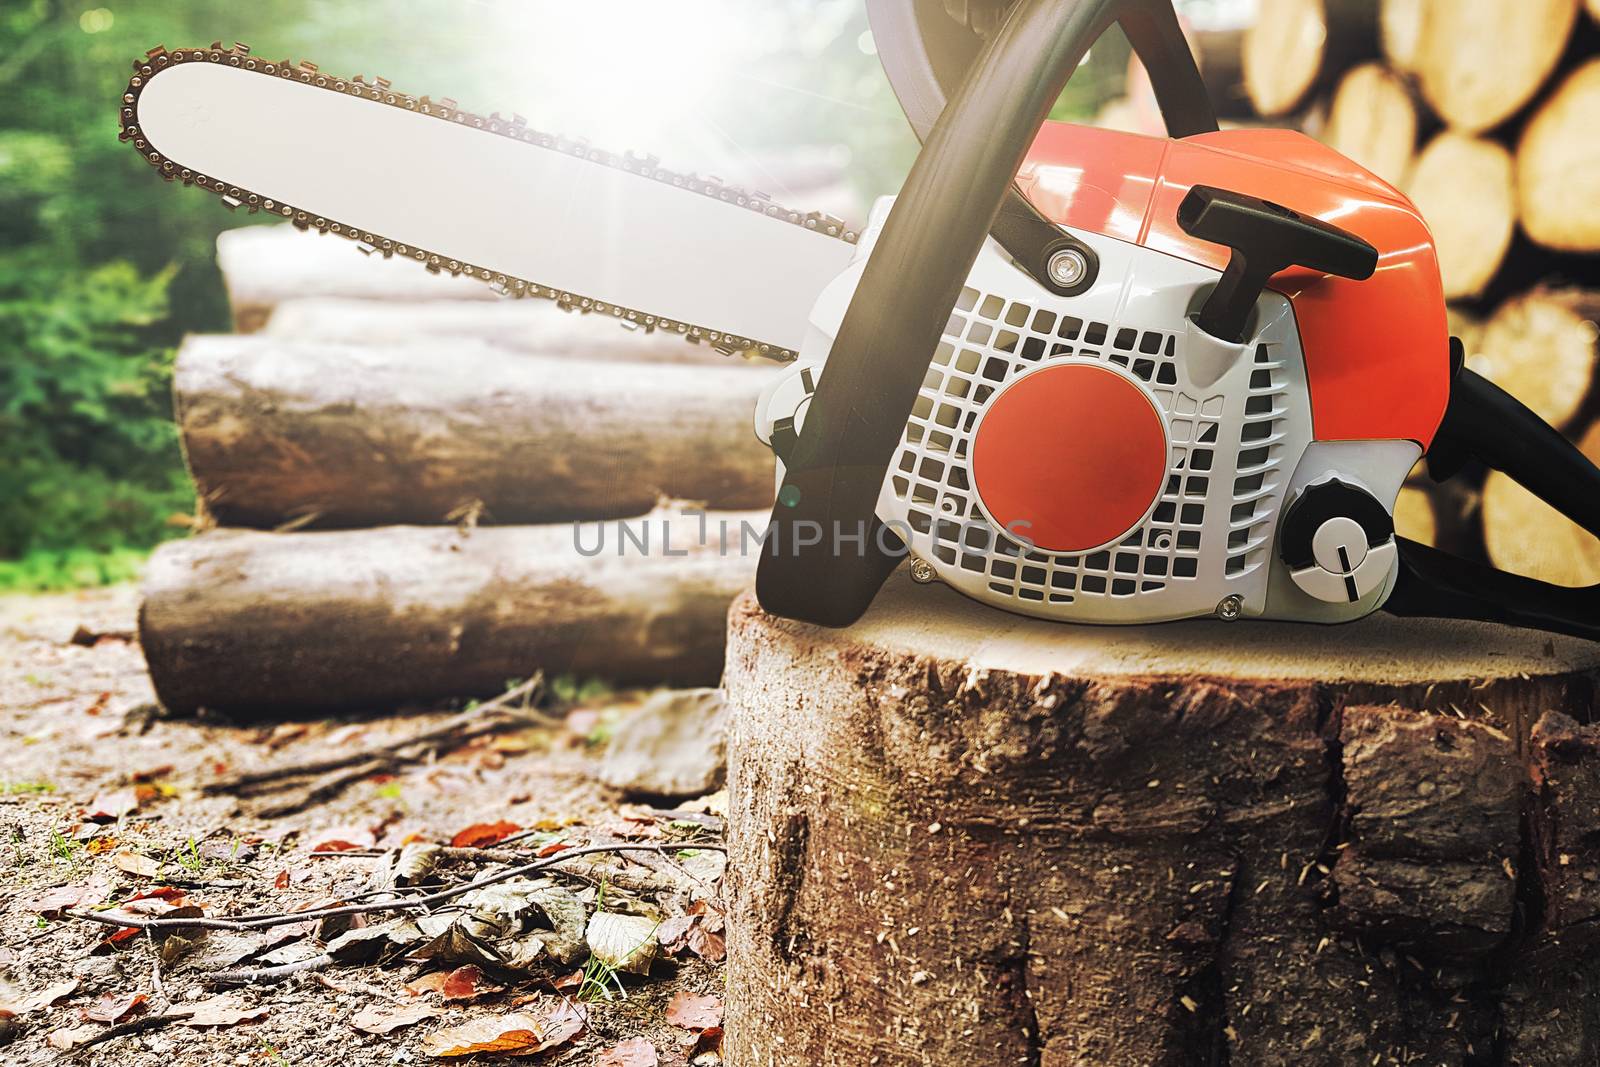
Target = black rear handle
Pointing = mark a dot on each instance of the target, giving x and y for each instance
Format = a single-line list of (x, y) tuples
[(1486, 423)]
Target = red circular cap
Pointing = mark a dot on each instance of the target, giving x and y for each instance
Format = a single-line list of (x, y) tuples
[(1070, 457)]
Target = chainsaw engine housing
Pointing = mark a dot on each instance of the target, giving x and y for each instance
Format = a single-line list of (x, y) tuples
[(1099, 457)]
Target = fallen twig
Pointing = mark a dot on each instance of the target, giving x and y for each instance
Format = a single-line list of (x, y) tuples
[(132, 1026), (263, 975), (260, 922), (330, 785), (155, 966), (456, 727)]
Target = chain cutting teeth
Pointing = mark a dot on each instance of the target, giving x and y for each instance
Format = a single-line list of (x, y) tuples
[(379, 90)]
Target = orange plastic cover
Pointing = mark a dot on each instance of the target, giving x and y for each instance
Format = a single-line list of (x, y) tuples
[(1377, 351)]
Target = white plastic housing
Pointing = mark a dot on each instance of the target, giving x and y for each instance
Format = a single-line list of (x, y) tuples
[(1238, 418)]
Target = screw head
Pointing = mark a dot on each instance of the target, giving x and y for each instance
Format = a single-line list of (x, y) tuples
[(922, 571), (1230, 608), (1067, 267)]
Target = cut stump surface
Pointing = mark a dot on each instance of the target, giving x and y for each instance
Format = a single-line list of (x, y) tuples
[(964, 836)]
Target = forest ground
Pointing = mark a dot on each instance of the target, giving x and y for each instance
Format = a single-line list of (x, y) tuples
[(103, 793)]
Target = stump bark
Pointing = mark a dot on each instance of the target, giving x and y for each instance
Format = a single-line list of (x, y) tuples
[(960, 836)]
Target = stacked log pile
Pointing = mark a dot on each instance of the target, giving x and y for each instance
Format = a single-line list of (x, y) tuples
[(1481, 111), (386, 460)]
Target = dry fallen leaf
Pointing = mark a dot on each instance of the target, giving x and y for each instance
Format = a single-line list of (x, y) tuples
[(170, 893), (109, 807), (52, 902), (707, 1044), (135, 864), (484, 834), (16, 1002), (698, 931), (69, 1038), (622, 942), (634, 1052), (386, 1018), (694, 1013), (112, 1008), (463, 983), (284, 733), (225, 1010), (347, 839), (432, 982), (517, 1034)]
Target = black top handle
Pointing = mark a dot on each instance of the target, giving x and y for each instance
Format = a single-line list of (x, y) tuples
[(827, 552)]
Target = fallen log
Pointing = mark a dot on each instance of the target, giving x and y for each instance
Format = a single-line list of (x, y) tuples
[(1527, 536), (263, 266), (1463, 187), (1294, 44), (279, 431), (1373, 121), (1479, 61), (1540, 348), (536, 327), (1414, 516), (243, 622), (1558, 167), (962, 836)]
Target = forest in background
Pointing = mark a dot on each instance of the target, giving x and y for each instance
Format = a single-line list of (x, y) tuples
[(103, 268)]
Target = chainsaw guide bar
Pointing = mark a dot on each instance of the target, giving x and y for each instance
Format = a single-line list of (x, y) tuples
[(812, 261)]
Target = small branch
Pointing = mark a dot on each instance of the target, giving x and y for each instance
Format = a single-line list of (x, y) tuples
[(329, 785), (450, 728), (155, 965), (266, 975), (132, 1026), (424, 901)]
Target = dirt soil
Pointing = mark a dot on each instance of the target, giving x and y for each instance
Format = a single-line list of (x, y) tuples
[(82, 739)]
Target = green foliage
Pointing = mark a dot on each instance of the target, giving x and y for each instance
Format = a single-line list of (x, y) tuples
[(103, 268), (84, 415)]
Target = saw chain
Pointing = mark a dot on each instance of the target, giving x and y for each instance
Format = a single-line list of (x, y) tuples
[(445, 109)]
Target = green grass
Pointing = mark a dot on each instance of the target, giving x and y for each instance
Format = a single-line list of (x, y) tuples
[(63, 848), (48, 571), (13, 789)]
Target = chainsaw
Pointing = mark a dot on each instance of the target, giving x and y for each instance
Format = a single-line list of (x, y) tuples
[(1079, 374)]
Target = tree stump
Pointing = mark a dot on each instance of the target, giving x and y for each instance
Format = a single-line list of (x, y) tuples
[(961, 836)]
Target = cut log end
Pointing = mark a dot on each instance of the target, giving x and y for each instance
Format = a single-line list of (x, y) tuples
[(1558, 167), (1282, 54), (1374, 122), (1479, 61), (1540, 348), (1414, 517), (1068, 845), (1462, 186), (1527, 536), (1400, 31)]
